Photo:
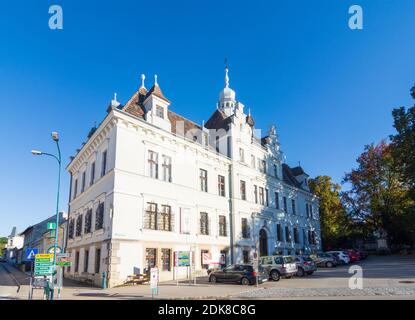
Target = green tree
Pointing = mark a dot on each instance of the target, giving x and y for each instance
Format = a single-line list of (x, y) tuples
[(377, 200), (333, 219), (3, 242), (403, 145)]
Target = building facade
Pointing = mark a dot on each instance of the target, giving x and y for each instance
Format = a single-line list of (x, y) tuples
[(148, 183), (14, 244)]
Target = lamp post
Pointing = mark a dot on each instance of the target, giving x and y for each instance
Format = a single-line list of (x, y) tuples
[(55, 137)]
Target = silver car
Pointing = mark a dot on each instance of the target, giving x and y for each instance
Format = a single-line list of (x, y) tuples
[(279, 266)]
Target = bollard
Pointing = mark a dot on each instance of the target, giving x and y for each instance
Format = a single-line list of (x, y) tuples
[(104, 280)]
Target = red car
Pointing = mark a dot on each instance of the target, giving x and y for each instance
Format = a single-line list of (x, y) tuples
[(353, 255)]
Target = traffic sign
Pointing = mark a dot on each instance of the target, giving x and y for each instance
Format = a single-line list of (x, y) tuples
[(31, 253), (52, 250), (51, 225), (43, 264)]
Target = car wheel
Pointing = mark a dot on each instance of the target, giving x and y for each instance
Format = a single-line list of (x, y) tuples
[(329, 264), (300, 272), (275, 275), (213, 279), (245, 281)]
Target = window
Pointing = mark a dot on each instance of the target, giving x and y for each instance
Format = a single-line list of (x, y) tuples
[(160, 112), (284, 200), (151, 258), (203, 180), (88, 221), (153, 164), (296, 238), (241, 155), (92, 178), (245, 228), (275, 171), (99, 216), (165, 259), (221, 185), (204, 223), (252, 161), (165, 218), (204, 254), (277, 200), (262, 166), (261, 195), (217, 143), (311, 211), (222, 226), (76, 261), (256, 194), (243, 189), (78, 226), (97, 260), (279, 232), (293, 205), (287, 234), (71, 228), (150, 221), (313, 237), (75, 192), (307, 212), (266, 198), (166, 168), (83, 181), (245, 256), (104, 163), (86, 260)]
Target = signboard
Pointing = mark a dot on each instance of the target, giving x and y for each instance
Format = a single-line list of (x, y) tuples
[(43, 264), (183, 259), (52, 250), (62, 255), (154, 278), (31, 253), (51, 225), (63, 260)]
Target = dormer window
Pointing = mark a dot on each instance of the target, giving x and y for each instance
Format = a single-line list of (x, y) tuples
[(160, 112)]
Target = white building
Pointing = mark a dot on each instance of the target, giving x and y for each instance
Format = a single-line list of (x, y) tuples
[(14, 243), (148, 183)]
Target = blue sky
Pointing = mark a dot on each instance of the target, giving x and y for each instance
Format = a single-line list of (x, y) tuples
[(328, 89)]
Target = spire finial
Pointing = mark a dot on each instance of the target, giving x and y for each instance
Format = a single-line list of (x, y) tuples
[(226, 77), (155, 80), (249, 111), (143, 77), (115, 96)]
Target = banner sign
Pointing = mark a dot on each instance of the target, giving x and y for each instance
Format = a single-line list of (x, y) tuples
[(183, 259)]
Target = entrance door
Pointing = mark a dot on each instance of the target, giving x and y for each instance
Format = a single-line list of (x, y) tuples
[(263, 243)]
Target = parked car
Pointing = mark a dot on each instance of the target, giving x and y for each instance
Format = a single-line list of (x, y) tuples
[(324, 260), (238, 273), (343, 257), (279, 266), (2, 260), (353, 255), (305, 265)]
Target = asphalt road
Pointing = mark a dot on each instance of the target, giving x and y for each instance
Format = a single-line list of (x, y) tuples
[(8, 285)]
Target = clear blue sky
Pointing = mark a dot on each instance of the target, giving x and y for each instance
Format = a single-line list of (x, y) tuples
[(329, 90)]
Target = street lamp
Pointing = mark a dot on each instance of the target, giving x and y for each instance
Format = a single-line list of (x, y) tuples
[(55, 137)]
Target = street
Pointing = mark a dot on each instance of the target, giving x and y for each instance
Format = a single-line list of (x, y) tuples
[(384, 277)]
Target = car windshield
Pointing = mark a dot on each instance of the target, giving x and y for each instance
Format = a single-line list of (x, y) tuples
[(288, 259), (307, 259)]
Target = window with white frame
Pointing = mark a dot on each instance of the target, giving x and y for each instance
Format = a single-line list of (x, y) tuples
[(104, 163), (241, 155), (160, 112), (166, 168), (221, 185), (152, 164), (203, 180)]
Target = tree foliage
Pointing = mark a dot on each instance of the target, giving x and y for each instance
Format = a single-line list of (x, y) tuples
[(377, 199), (333, 219)]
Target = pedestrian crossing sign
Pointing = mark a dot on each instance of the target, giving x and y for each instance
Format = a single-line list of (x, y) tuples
[(31, 253)]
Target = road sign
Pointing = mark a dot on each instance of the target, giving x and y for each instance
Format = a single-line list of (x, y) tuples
[(51, 225), (52, 250), (31, 253), (183, 259), (64, 263), (62, 255), (43, 264)]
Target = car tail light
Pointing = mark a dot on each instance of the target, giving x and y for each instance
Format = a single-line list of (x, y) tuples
[(254, 274)]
